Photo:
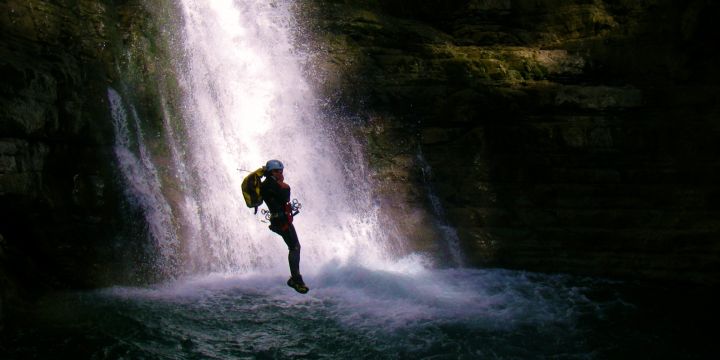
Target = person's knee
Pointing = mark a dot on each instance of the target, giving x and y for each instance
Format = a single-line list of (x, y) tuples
[(278, 230), (294, 248)]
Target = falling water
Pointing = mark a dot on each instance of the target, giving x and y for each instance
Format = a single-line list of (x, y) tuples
[(143, 182), (448, 233), (247, 101)]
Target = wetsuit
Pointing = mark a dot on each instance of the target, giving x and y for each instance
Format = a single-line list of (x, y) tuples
[(277, 197)]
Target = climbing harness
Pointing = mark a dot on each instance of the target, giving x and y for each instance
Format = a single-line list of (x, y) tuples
[(295, 207)]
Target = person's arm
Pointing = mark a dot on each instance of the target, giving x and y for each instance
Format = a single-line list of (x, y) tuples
[(268, 190), (283, 189), (273, 194)]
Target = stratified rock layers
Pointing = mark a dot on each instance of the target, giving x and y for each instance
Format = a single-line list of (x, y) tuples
[(562, 136), (64, 218)]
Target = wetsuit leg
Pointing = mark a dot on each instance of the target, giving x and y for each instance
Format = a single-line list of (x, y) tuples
[(291, 240)]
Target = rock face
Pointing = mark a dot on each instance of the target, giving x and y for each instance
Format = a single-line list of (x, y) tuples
[(56, 199), (562, 136), (62, 207)]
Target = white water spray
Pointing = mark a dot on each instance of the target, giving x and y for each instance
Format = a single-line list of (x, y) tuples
[(247, 102), (141, 177)]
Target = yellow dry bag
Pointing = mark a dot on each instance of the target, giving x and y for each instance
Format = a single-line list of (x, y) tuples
[(251, 188)]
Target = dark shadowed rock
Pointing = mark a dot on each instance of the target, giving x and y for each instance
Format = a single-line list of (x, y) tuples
[(562, 135)]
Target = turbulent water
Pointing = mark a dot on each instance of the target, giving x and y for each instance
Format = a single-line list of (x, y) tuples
[(356, 313), (247, 102)]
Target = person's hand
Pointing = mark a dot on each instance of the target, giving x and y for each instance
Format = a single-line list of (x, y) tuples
[(282, 183)]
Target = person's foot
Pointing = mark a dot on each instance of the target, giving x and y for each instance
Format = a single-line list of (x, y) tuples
[(298, 284)]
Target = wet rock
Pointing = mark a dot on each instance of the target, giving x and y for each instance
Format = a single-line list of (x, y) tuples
[(529, 111), (436, 135), (60, 198), (7, 288), (598, 97)]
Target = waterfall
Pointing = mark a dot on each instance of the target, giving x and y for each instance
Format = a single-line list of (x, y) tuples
[(448, 233), (247, 101), (143, 183)]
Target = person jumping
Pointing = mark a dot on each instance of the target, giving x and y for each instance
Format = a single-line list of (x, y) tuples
[(276, 194)]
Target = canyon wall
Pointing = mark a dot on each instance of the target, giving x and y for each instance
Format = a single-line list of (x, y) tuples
[(561, 136), (65, 221)]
